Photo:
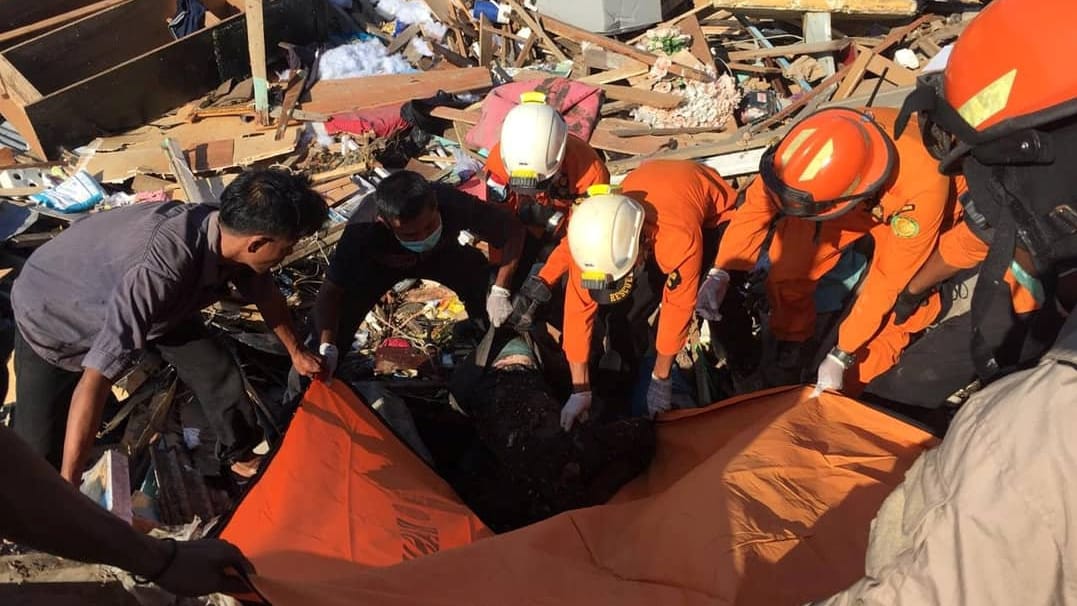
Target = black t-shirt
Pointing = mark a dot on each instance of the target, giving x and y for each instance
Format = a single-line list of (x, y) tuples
[(366, 243)]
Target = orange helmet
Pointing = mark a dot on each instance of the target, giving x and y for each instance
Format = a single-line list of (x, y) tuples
[(986, 92), (828, 163)]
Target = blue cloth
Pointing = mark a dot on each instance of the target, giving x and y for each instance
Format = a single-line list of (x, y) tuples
[(835, 287), (682, 390)]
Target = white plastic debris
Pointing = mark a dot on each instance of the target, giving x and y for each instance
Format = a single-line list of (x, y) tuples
[(77, 194), (412, 11), (906, 58), (360, 58)]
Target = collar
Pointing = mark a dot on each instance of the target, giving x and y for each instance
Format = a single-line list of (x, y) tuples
[(215, 266)]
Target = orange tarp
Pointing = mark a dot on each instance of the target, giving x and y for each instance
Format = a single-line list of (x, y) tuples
[(763, 499)]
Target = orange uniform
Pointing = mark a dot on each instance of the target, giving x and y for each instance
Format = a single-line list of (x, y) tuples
[(581, 168), (681, 199), (912, 210), (960, 247)]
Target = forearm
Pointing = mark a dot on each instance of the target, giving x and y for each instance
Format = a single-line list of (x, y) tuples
[(327, 312), (40, 510), (83, 419), (581, 376), (663, 365), (934, 271), (278, 318), (505, 273)]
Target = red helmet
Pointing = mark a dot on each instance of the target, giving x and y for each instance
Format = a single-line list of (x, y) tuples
[(828, 163), (986, 92)]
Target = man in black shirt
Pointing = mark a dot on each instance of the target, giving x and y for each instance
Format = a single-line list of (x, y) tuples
[(416, 235)]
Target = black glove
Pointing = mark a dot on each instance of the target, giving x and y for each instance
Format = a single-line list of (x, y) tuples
[(907, 304), (533, 294)]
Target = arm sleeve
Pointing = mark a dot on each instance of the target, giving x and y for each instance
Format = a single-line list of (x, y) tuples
[(256, 288), (594, 173), (747, 230), (579, 322), (497, 226), (143, 295), (895, 261), (959, 247), (679, 297), (347, 253), (557, 264)]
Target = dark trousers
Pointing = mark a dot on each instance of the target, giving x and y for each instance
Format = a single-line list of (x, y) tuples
[(43, 393), (463, 269)]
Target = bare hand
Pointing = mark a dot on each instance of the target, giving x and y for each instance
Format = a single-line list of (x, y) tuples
[(204, 567), (307, 363)]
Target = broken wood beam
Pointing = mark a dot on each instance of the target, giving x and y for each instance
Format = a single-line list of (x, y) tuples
[(565, 30), (256, 45), (353, 94), (789, 50), (642, 97), (889, 8), (536, 28)]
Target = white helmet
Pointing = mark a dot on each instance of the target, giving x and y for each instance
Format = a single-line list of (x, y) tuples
[(604, 236), (533, 138)]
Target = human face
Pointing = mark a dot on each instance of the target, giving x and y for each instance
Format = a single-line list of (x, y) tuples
[(263, 253), (420, 233)]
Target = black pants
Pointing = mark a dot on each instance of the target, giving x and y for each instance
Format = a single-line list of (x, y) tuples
[(462, 268), (43, 393)]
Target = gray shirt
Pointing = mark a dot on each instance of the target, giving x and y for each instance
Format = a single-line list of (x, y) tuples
[(95, 295)]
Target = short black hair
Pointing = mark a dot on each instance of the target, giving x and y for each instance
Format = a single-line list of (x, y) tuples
[(404, 195), (274, 203)]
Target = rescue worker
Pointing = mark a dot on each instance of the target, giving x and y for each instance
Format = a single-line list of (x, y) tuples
[(88, 302), (539, 170), (644, 246), (836, 177), (986, 517), (416, 235)]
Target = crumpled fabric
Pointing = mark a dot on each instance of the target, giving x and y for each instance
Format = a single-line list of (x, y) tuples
[(578, 103)]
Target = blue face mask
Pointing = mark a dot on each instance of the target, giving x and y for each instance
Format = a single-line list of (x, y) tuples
[(421, 246)]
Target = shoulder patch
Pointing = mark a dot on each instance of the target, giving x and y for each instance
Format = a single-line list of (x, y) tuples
[(904, 227)]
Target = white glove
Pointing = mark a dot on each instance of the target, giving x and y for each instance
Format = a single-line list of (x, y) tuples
[(659, 395), (711, 294), (499, 305), (575, 409), (330, 356), (831, 376)]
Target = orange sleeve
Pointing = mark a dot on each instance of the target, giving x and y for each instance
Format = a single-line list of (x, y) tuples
[(747, 230), (679, 294), (959, 247), (579, 322), (895, 261), (557, 264), (591, 173), (495, 168)]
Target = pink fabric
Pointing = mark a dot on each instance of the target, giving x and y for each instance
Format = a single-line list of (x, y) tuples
[(579, 103), (384, 121)]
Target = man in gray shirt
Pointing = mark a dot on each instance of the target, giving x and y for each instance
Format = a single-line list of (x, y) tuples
[(90, 301)]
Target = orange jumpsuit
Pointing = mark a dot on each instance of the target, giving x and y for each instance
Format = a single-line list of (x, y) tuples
[(582, 167), (681, 198), (905, 223)]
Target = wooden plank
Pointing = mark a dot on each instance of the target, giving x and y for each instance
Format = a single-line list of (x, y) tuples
[(613, 75), (689, 24), (457, 115), (256, 46), (641, 131), (403, 38), (855, 75), (486, 41), (352, 94), (604, 139), (892, 8), (753, 69), (16, 86), (642, 97), (890, 71), (789, 50), (296, 86), (525, 52), (536, 27), (568, 31), (336, 173), (51, 22)]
